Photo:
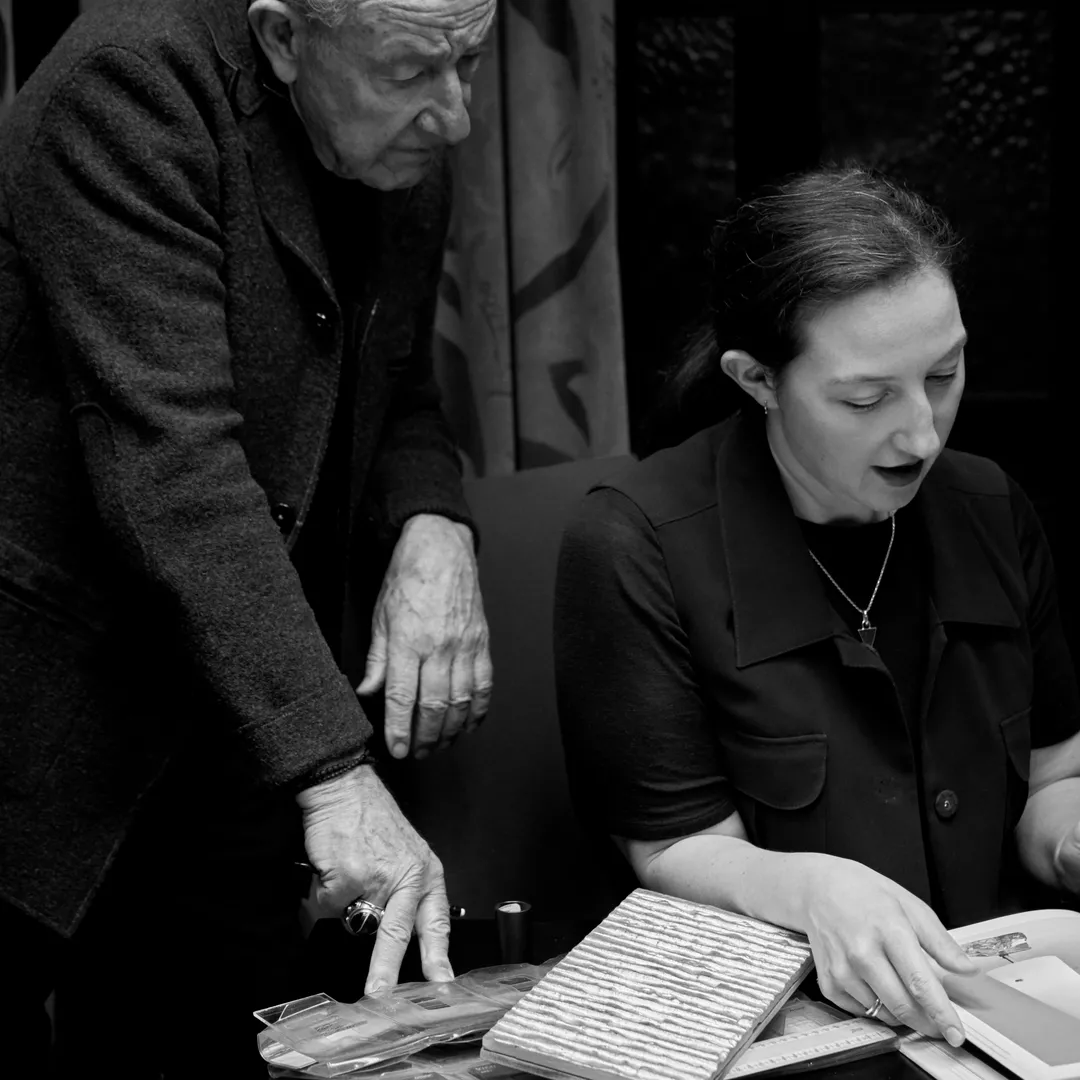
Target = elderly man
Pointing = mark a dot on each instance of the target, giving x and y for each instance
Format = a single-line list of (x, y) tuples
[(220, 234)]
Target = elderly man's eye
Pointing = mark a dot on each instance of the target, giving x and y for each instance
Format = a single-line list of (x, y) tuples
[(468, 64), (405, 73)]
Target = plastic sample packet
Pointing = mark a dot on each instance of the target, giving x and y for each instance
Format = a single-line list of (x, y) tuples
[(448, 1009), (318, 1036), (444, 1061), (329, 1031), (507, 983)]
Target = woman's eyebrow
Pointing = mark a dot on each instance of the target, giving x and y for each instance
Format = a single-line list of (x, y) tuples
[(945, 357)]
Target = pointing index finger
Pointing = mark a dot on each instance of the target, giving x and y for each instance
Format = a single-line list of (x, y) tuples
[(392, 938), (433, 929)]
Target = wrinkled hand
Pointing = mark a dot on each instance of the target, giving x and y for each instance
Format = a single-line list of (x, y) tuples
[(362, 846), (871, 938), (1067, 860), (429, 639)]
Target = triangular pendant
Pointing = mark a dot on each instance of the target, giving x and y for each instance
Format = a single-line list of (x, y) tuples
[(867, 634)]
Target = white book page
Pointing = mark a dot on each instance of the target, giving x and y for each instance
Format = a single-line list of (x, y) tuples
[(1024, 1007)]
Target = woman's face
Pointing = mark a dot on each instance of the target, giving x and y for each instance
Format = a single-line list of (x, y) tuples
[(867, 406)]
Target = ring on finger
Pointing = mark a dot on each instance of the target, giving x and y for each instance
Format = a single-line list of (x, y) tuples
[(872, 1012), (362, 917)]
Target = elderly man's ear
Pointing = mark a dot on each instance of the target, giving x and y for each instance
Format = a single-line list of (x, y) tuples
[(280, 30)]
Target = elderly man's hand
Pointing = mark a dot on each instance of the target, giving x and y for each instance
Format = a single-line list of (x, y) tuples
[(429, 640), (362, 847)]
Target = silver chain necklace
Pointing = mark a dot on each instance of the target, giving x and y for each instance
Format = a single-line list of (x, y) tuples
[(867, 633)]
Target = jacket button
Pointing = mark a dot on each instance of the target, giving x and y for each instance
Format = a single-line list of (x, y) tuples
[(946, 804), (284, 517), (324, 327)]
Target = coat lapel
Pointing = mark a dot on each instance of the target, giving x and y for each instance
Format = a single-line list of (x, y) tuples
[(276, 143), (777, 598), (964, 584)]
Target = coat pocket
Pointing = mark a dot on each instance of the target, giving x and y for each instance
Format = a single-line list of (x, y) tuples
[(1016, 733), (51, 655), (779, 783)]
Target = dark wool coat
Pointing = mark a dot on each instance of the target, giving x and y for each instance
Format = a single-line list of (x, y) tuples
[(171, 345)]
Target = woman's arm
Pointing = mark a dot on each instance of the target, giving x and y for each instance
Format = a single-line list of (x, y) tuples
[(870, 938), (1048, 835)]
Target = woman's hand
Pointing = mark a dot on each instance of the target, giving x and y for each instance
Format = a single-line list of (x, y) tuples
[(873, 939)]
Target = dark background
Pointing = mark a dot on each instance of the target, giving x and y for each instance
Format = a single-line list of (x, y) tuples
[(967, 105)]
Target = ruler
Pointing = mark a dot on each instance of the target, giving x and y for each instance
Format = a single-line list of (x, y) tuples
[(945, 1062), (802, 1046)]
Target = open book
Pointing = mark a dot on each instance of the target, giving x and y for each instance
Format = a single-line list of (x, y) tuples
[(1023, 1008)]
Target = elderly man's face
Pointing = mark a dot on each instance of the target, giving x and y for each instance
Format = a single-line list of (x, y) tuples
[(381, 95)]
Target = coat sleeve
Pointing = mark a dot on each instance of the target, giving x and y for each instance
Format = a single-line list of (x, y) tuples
[(417, 469), (116, 209), (641, 751)]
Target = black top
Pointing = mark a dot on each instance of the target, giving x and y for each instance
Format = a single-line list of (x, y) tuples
[(853, 555), (704, 665), (346, 208)]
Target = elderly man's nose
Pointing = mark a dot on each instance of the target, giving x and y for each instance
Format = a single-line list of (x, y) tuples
[(447, 116)]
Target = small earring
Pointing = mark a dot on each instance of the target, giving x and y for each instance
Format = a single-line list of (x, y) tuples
[(765, 406)]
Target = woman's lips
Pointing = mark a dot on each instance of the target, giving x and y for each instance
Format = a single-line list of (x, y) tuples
[(900, 475)]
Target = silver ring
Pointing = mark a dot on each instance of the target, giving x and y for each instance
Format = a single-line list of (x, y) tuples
[(362, 917), (871, 1013)]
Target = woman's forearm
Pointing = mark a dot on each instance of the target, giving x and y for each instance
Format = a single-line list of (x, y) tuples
[(734, 874), (1049, 818)]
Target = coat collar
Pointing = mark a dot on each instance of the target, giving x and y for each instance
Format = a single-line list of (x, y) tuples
[(275, 140), (279, 152), (778, 600)]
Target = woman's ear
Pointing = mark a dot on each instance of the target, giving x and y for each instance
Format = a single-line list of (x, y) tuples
[(752, 377), (279, 29)]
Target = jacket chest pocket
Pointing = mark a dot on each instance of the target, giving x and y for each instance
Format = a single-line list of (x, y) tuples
[(779, 783)]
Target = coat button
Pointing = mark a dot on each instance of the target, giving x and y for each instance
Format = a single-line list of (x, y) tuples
[(946, 804), (324, 326), (284, 517)]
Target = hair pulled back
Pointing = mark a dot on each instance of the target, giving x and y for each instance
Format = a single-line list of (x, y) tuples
[(787, 254)]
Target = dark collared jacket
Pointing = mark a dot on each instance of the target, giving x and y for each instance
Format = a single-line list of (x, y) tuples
[(171, 345), (702, 669)]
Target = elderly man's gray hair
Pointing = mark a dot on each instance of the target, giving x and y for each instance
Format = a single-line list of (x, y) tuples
[(330, 13)]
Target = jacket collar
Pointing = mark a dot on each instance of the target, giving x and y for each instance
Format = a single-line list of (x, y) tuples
[(275, 140), (278, 149), (778, 600)]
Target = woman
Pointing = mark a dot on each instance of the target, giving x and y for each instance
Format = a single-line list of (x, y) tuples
[(810, 666)]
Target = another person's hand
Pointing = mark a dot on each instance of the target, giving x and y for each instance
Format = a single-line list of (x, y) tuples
[(873, 939), (1067, 860), (429, 640), (362, 847)]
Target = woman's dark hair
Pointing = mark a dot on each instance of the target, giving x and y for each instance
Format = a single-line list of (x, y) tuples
[(786, 254)]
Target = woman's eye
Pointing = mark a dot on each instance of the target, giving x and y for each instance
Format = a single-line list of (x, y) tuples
[(864, 406), (944, 379)]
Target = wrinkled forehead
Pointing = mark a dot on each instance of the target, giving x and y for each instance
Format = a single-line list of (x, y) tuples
[(445, 25)]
